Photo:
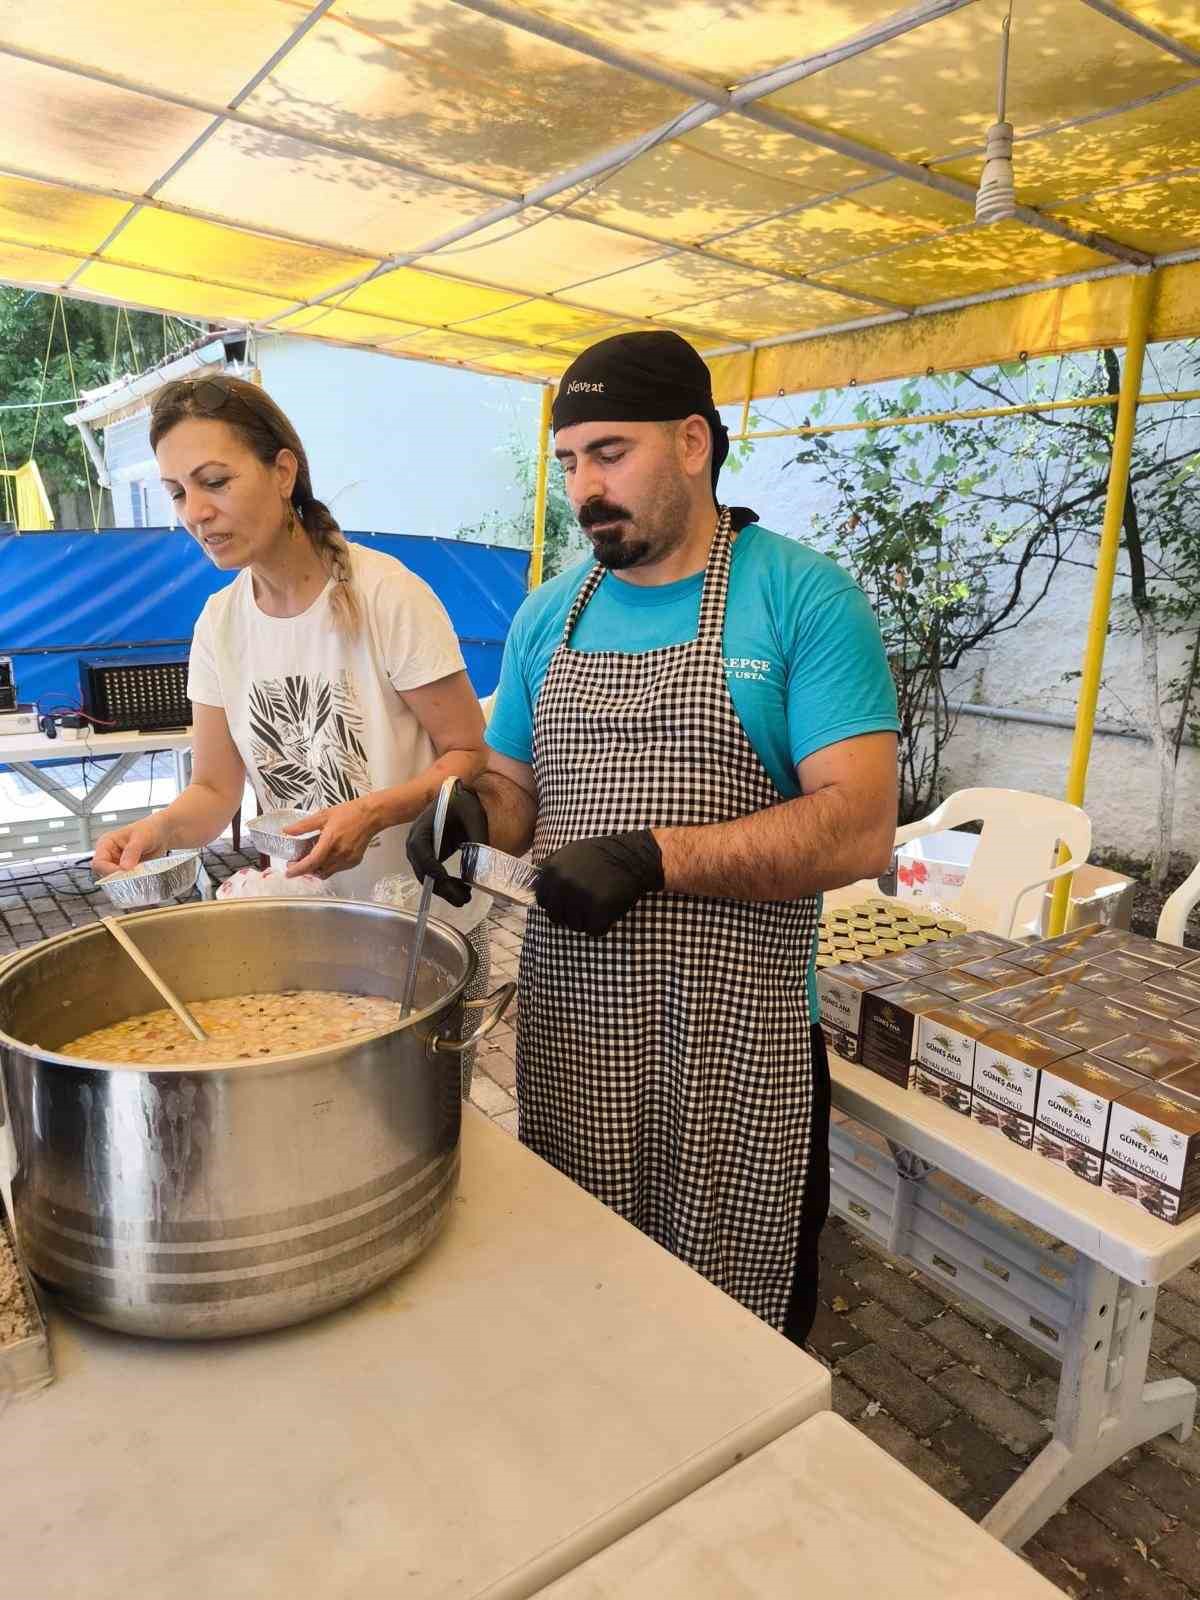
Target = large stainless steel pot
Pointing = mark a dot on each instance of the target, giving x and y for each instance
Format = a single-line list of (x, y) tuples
[(197, 1202)]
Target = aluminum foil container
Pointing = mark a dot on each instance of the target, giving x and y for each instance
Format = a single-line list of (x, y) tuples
[(266, 833), (507, 877), (151, 882)]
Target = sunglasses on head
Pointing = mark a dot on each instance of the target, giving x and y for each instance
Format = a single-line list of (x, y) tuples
[(208, 395)]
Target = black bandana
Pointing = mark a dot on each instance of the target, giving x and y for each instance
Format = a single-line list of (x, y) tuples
[(643, 377)]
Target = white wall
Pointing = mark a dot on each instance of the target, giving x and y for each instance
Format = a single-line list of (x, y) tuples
[(1024, 670), (398, 446)]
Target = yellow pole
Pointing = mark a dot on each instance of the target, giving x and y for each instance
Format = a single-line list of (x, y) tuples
[(745, 428), (1140, 305), (538, 552), (979, 413)]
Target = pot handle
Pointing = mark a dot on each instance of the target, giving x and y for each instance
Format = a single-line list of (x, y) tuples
[(499, 1002)]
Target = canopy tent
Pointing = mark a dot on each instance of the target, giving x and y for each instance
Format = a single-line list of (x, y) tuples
[(475, 182), (791, 187)]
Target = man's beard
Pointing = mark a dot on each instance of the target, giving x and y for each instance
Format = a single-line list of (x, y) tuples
[(618, 549)]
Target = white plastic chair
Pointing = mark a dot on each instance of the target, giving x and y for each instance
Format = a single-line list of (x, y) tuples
[(1014, 861), (1174, 915)]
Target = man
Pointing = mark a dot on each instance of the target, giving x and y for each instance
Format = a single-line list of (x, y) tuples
[(696, 733)]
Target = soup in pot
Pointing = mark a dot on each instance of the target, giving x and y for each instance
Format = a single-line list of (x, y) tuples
[(243, 1027)]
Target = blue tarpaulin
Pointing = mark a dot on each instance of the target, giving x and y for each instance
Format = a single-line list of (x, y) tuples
[(72, 594)]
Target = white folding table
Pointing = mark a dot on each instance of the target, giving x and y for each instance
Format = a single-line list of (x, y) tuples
[(821, 1512), (543, 1380), (1091, 1307), (24, 753)]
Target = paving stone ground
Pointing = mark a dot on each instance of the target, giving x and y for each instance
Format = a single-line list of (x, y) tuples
[(955, 1397)]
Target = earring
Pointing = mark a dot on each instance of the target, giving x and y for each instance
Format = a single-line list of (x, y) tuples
[(291, 520)]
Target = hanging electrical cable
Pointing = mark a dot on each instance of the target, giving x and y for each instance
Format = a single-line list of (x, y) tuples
[(95, 496), (996, 199)]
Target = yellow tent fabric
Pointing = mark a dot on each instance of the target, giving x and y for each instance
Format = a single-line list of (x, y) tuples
[(24, 499), (495, 185)]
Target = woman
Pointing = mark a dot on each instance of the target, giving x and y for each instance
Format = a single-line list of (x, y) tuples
[(327, 673)]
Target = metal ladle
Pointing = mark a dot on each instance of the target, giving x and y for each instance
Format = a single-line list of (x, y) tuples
[(414, 954), (168, 994)]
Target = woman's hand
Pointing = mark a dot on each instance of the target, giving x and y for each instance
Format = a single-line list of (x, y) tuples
[(346, 831), (125, 847)]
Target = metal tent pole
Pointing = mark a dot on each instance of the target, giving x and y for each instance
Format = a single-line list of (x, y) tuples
[(1141, 302), (539, 493)]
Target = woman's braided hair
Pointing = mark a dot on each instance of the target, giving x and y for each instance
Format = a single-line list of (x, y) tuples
[(265, 430)]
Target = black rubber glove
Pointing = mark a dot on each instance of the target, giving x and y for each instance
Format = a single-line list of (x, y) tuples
[(590, 885), (466, 823)]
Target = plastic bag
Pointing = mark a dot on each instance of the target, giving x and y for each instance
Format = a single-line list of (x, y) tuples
[(252, 882), (400, 889)]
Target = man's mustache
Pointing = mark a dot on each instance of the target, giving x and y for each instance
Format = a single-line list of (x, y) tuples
[(600, 511)]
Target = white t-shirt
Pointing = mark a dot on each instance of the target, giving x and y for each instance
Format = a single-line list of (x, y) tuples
[(317, 718)]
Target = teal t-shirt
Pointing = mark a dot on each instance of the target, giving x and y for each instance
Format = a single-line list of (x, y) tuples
[(803, 658)]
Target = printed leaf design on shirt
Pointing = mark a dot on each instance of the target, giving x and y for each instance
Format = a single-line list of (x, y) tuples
[(307, 740)]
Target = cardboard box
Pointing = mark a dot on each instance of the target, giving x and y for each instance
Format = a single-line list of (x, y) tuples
[(944, 1059), (960, 986), (1152, 1058), (1159, 951), (1092, 939), (1075, 1098), (912, 966), (935, 867), (1004, 1088), (1097, 980), (996, 970), (976, 944), (1178, 983), (1025, 1003), (1126, 965), (1080, 1027), (1153, 1002), (1108, 1010), (1047, 963), (1152, 1154), (889, 1028), (840, 991)]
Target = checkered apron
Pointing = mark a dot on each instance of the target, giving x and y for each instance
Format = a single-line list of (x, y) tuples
[(666, 1067)]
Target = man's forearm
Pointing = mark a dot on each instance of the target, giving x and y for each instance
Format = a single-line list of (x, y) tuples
[(511, 813), (800, 847)]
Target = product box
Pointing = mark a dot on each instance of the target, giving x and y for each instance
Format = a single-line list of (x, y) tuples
[(1159, 951), (1114, 1011), (1026, 1002), (1152, 1154), (1126, 965), (1167, 1008), (1097, 980), (1004, 1089), (1075, 1097), (996, 970), (1152, 1058), (840, 993), (1081, 1028), (944, 1060), (934, 867), (975, 945), (1091, 939), (960, 986), (889, 1028), (1178, 984), (913, 966), (1047, 963)]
